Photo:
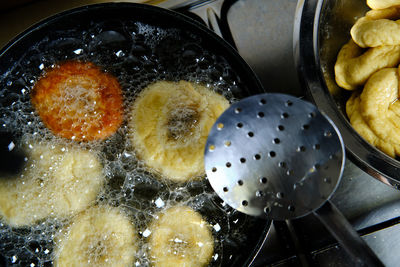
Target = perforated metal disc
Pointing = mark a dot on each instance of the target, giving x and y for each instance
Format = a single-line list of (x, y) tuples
[(274, 155)]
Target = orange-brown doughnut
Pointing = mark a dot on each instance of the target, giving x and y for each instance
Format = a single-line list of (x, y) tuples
[(77, 100)]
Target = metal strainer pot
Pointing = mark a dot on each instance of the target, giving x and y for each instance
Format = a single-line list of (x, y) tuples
[(322, 27), (278, 157)]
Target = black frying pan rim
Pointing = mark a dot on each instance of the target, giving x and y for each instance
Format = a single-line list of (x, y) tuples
[(164, 12)]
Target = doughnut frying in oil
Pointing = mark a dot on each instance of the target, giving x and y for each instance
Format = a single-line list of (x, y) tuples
[(79, 101)]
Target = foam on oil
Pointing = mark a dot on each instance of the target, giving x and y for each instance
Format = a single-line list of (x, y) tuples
[(137, 54)]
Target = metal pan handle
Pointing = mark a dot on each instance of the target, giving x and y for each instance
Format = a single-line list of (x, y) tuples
[(214, 14), (342, 230)]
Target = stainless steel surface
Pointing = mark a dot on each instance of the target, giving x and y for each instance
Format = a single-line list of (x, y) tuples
[(274, 156)]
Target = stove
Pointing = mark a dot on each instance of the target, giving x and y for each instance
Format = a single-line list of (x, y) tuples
[(262, 32)]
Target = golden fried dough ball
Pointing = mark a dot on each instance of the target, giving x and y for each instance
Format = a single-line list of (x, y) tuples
[(57, 182), (170, 122), (377, 28), (354, 66), (381, 4), (180, 237), (100, 236), (372, 33), (381, 90), (362, 128), (79, 101)]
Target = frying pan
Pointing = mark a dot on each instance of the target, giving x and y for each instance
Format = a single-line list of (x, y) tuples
[(115, 36)]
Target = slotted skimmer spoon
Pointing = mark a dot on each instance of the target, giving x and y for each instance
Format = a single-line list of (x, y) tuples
[(279, 157)]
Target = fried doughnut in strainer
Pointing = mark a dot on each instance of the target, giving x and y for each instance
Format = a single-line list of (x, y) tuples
[(381, 4), (354, 66), (381, 90), (373, 33), (79, 101), (387, 13), (377, 27), (362, 128)]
